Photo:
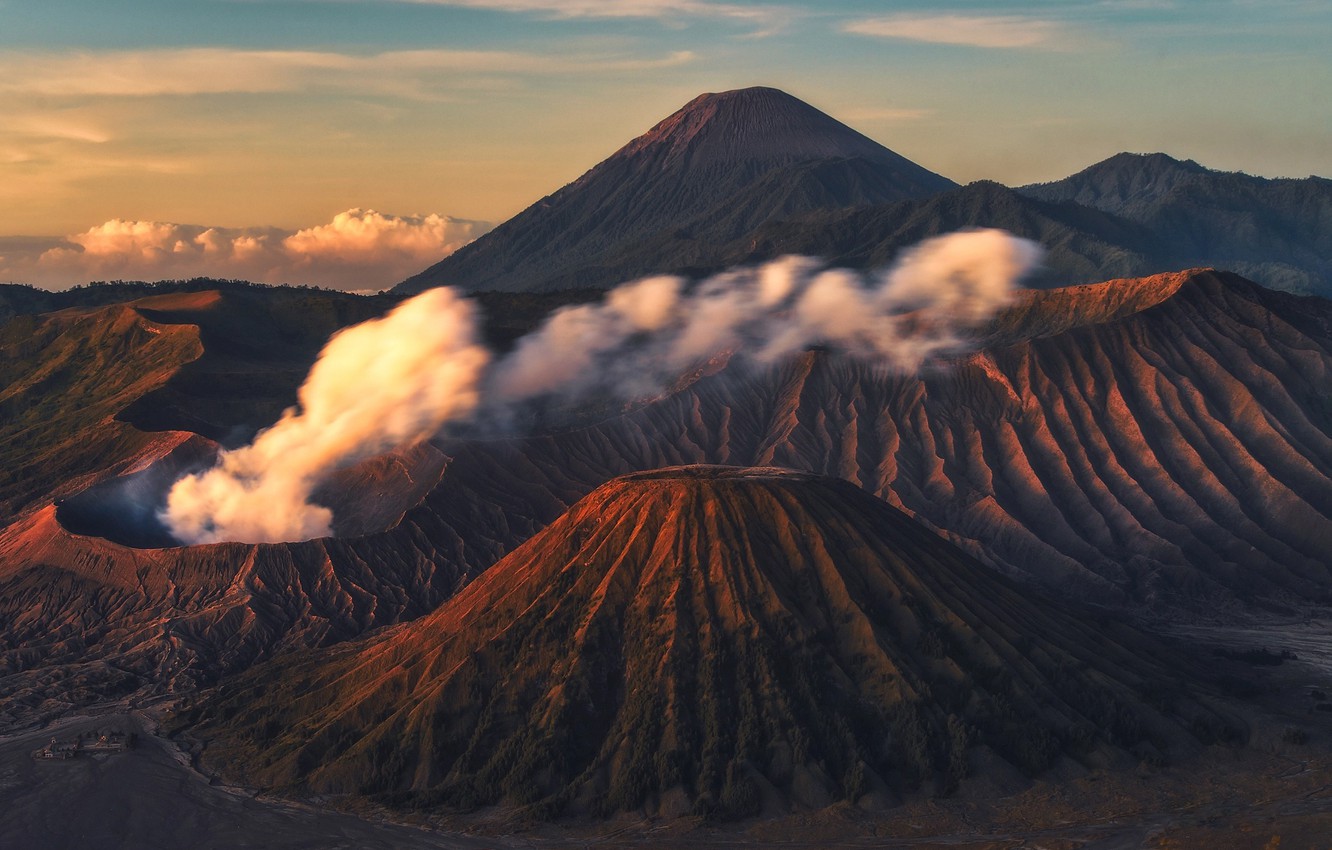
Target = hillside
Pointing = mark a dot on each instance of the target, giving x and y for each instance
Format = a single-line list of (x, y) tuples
[(1161, 444), (711, 641)]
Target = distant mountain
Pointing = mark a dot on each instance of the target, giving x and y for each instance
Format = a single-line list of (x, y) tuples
[(1123, 181), (705, 640), (713, 171), (21, 299), (1278, 232)]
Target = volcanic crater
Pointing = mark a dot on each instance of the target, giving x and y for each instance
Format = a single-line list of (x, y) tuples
[(366, 498)]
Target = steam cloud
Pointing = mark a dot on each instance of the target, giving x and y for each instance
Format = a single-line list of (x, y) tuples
[(406, 376), (376, 385)]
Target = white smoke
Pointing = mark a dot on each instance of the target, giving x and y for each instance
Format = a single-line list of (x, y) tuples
[(644, 335), (376, 385), (406, 376)]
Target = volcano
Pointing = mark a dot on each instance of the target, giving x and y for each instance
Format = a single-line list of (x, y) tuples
[(713, 171), (709, 640), (1271, 230)]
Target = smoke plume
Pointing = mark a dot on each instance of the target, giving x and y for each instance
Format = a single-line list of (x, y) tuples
[(376, 385), (407, 376)]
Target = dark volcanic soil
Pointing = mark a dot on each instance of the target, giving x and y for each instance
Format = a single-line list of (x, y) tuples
[(150, 798)]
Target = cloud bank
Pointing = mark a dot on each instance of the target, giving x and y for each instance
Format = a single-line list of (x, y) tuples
[(358, 249), (410, 375)]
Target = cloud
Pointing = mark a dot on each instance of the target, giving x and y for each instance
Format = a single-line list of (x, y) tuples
[(366, 237), (771, 17), (56, 126), (358, 249), (992, 31), (212, 70)]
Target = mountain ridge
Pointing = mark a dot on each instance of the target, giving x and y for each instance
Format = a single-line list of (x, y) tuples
[(1104, 443), (1275, 230)]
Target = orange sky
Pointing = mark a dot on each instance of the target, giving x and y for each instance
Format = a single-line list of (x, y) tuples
[(241, 117)]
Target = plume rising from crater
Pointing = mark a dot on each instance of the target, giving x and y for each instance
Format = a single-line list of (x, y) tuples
[(409, 375), (376, 385)]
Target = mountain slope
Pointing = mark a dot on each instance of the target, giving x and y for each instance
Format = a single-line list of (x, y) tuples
[(1081, 244), (1163, 443), (703, 639), (682, 176), (1142, 222), (1278, 232)]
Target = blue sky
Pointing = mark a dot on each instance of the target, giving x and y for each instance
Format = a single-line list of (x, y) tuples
[(284, 113)]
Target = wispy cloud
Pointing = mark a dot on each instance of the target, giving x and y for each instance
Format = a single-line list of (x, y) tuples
[(54, 125), (767, 15), (358, 249), (990, 31), (885, 114), (209, 70)]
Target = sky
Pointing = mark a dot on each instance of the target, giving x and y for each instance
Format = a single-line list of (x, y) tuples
[(351, 143)]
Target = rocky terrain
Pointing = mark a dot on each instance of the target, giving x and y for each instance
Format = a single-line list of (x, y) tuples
[(711, 640), (1130, 443)]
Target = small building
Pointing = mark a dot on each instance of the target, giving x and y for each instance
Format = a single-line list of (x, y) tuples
[(58, 749), (113, 741), (109, 742)]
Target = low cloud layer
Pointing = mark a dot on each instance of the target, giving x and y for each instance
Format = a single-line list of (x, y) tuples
[(419, 370), (358, 249)]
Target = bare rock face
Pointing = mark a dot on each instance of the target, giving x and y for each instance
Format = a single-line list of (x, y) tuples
[(726, 637), (713, 171)]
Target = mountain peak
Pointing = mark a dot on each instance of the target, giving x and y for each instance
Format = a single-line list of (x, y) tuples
[(752, 124), (1149, 161), (1121, 181)]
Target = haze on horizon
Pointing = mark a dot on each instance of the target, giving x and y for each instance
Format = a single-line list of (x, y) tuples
[(349, 143)]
